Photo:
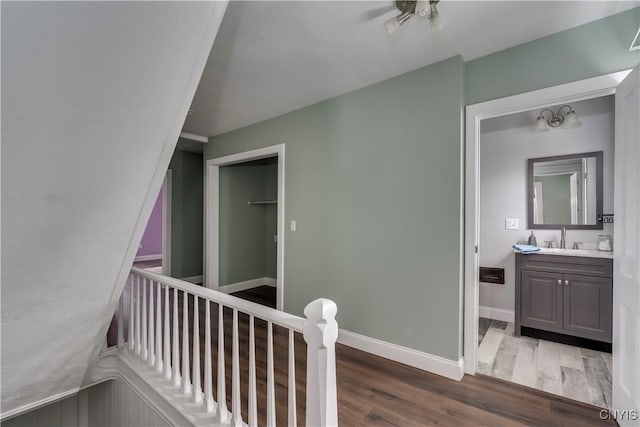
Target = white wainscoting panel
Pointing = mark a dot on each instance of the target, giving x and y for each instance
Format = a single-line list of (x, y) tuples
[(61, 413), (114, 403), (110, 403)]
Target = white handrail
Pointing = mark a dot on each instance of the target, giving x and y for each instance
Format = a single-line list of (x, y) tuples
[(277, 317), (152, 334)]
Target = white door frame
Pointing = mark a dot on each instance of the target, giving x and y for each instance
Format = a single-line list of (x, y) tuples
[(212, 214), (166, 223), (562, 94)]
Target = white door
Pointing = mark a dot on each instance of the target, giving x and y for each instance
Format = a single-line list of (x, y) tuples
[(626, 263)]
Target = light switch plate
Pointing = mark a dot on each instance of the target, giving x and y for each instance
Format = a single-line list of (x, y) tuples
[(511, 224), (294, 225)]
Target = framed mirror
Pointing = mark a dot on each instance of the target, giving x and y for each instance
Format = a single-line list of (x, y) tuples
[(565, 191)]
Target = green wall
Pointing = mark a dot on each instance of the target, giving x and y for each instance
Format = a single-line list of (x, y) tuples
[(590, 50), (247, 250), (556, 206), (186, 214), (373, 180)]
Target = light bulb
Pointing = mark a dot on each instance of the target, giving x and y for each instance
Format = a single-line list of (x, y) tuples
[(435, 19), (391, 25), (571, 120), (423, 9), (541, 125)]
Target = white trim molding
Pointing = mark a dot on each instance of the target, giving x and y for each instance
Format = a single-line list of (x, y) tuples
[(38, 404), (452, 369), (497, 314), (212, 214), (193, 279), (152, 257), (166, 222), (562, 94), (247, 284), (194, 137)]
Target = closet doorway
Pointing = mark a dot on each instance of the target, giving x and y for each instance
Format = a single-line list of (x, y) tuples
[(244, 243), (154, 251)]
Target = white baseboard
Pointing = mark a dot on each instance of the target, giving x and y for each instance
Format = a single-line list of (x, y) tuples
[(148, 257), (247, 284), (193, 279), (497, 314), (38, 404), (427, 362)]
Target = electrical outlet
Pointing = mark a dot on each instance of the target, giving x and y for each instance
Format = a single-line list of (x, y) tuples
[(294, 225), (511, 224)]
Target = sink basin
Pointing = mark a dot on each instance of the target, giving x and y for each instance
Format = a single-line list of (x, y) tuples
[(576, 252)]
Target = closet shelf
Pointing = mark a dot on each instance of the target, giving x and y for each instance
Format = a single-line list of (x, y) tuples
[(262, 202)]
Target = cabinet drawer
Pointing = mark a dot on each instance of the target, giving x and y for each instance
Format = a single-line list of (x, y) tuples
[(598, 267)]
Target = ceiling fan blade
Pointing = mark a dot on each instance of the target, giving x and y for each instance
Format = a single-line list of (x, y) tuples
[(377, 12)]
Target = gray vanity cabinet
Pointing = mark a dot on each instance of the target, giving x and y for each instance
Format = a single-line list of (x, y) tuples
[(587, 307), (542, 300), (564, 294)]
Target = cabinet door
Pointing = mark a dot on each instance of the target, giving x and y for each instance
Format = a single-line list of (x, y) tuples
[(541, 300), (588, 306)]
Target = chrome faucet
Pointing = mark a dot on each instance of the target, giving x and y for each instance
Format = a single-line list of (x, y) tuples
[(563, 238)]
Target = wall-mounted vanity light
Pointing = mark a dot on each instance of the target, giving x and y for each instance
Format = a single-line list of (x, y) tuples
[(567, 119)]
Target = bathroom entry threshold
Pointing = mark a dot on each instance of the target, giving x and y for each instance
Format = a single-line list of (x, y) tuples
[(571, 372)]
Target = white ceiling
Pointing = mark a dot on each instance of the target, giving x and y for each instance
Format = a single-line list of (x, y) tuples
[(274, 57)]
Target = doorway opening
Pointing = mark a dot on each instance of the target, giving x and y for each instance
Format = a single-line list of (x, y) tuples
[(532, 331), (244, 242), (154, 251), (504, 337)]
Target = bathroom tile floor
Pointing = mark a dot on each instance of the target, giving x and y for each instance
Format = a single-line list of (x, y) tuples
[(572, 372)]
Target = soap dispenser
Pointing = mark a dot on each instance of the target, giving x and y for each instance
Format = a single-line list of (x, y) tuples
[(532, 239)]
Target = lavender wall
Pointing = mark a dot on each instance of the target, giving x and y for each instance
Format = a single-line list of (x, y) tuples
[(151, 243)]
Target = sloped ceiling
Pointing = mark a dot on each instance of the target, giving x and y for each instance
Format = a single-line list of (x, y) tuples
[(93, 98), (274, 57)]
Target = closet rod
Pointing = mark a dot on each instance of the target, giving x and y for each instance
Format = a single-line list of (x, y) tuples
[(262, 202)]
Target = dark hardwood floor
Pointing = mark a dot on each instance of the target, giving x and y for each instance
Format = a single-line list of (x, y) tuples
[(377, 391), (265, 295)]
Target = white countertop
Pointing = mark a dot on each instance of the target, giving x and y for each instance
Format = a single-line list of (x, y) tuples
[(591, 253)]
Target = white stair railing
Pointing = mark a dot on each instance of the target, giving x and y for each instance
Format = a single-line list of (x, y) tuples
[(171, 349)]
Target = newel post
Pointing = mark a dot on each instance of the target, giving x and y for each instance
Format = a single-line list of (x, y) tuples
[(321, 333)]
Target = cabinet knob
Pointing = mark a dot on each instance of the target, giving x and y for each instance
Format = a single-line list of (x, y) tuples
[(566, 283), (559, 282)]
